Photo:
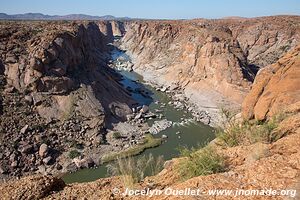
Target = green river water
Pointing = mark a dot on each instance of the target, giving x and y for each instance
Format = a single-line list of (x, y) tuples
[(191, 133)]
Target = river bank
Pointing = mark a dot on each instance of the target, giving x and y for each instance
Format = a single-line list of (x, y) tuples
[(184, 129)]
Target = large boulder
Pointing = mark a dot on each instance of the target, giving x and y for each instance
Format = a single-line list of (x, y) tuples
[(275, 88), (44, 150)]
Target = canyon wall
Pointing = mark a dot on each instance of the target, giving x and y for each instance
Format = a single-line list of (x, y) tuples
[(111, 29), (57, 92), (277, 166), (275, 89), (209, 59), (198, 56), (61, 62)]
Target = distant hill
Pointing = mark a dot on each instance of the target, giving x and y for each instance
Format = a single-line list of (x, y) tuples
[(234, 17), (40, 16)]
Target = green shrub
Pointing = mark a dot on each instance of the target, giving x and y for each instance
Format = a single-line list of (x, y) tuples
[(264, 131), (200, 162), (76, 144), (135, 170), (117, 135), (74, 154), (149, 142), (236, 133), (231, 136)]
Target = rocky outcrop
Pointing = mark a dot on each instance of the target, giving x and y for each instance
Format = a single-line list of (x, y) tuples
[(55, 89), (106, 29), (264, 40), (249, 168), (275, 88), (118, 28), (111, 29), (60, 66), (209, 59)]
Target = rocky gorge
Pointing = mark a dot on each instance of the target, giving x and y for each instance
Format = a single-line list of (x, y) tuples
[(59, 90), (209, 59), (55, 97)]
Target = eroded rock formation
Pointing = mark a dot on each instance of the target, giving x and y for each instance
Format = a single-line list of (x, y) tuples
[(56, 84), (209, 58), (275, 88), (205, 58), (66, 66)]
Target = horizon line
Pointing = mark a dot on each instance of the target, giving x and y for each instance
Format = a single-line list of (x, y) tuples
[(109, 15)]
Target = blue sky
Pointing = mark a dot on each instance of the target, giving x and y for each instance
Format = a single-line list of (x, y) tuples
[(163, 9)]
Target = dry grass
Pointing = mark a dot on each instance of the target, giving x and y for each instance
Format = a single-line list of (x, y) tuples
[(149, 142), (134, 170), (200, 162), (236, 133)]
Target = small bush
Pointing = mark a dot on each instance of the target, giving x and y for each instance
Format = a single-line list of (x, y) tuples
[(237, 133), (117, 135), (200, 162), (264, 131), (39, 127), (74, 154), (231, 136), (76, 144), (149, 142), (135, 170)]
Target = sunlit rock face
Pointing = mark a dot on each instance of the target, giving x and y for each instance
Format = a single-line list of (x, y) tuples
[(200, 55), (275, 89)]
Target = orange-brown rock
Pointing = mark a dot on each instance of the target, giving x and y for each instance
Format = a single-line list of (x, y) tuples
[(215, 55), (110, 29), (257, 166), (275, 88), (213, 62), (35, 187), (206, 58)]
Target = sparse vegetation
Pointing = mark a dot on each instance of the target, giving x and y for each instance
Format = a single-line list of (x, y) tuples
[(76, 144), (39, 127), (200, 162), (236, 133), (74, 154), (149, 142), (135, 170), (260, 151), (117, 135)]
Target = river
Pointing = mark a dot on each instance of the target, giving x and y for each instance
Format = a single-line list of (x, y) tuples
[(184, 131)]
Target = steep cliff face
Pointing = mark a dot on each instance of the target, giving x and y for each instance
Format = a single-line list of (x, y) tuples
[(118, 28), (65, 64), (199, 56), (56, 89), (111, 29), (188, 56), (106, 29), (275, 88), (265, 40), (202, 56)]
